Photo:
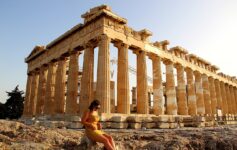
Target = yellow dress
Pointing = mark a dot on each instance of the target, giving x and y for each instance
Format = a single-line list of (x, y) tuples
[(93, 134)]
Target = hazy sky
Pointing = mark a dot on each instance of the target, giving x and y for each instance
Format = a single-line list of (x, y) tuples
[(205, 28)]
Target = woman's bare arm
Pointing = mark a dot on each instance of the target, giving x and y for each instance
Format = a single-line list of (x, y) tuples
[(84, 120)]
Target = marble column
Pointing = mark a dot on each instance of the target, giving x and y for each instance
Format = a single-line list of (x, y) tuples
[(232, 100), (41, 90), (199, 93), (33, 94), (170, 89), (158, 99), (181, 91), (103, 74), (123, 97), (192, 101), (86, 93), (72, 84), (235, 92), (50, 89), (60, 86), (228, 99), (112, 96), (218, 94), (134, 95), (27, 95), (224, 99), (142, 91), (206, 94), (212, 95)]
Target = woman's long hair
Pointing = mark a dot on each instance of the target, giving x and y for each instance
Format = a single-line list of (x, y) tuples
[(94, 104)]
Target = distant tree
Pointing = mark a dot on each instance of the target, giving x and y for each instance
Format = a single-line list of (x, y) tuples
[(2, 111), (15, 104)]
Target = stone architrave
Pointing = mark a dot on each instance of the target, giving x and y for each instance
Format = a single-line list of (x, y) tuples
[(232, 95), (170, 89), (218, 94), (50, 89), (72, 84), (123, 97), (199, 93), (86, 93), (213, 95), (142, 91), (33, 95), (60, 86), (227, 88), (192, 101), (158, 95), (206, 94), (224, 99), (103, 74), (181, 91), (27, 95), (41, 90)]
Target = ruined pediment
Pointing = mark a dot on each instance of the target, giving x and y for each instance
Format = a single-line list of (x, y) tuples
[(37, 49), (96, 12)]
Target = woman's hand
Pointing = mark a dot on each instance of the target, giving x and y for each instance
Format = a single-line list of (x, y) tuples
[(92, 127), (99, 126)]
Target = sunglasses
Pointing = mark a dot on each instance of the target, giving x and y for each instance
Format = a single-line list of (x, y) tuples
[(97, 107)]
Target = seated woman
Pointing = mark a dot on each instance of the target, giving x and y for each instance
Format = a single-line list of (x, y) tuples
[(90, 120)]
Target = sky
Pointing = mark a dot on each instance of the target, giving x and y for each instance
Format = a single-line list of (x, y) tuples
[(205, 28)]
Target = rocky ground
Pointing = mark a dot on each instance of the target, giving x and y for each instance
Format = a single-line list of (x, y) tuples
[(17, 136)]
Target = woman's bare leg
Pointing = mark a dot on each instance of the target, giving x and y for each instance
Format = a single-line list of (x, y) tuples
[(110, 140), (103, 139)]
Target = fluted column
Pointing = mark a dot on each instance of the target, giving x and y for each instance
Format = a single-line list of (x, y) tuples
[(27, 95), (103, 74), (72, 84), (50, 90), (60, 86), (228, 99), (235, 92), (206, 94), (158, 99), (199, 93), (233, 104), (213, 95), (218, 94), (41, 90), (170, 89), (86, 93), (123, 97), (224, 99), (142, 93), (192, 101), (33, 94), (134, 95), (181, 91)]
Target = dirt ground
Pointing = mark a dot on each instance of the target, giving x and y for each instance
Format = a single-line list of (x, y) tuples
[(17, 136)]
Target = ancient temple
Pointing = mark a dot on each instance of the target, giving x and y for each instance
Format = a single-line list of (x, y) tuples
[(56, 85)]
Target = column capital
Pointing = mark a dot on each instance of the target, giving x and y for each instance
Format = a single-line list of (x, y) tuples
[(178, 66), (197, 73), (74, 52), (62, 58), (187, 69), (103, 37), (90, 44), (138, 51), (167, 61), (120, 44)]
